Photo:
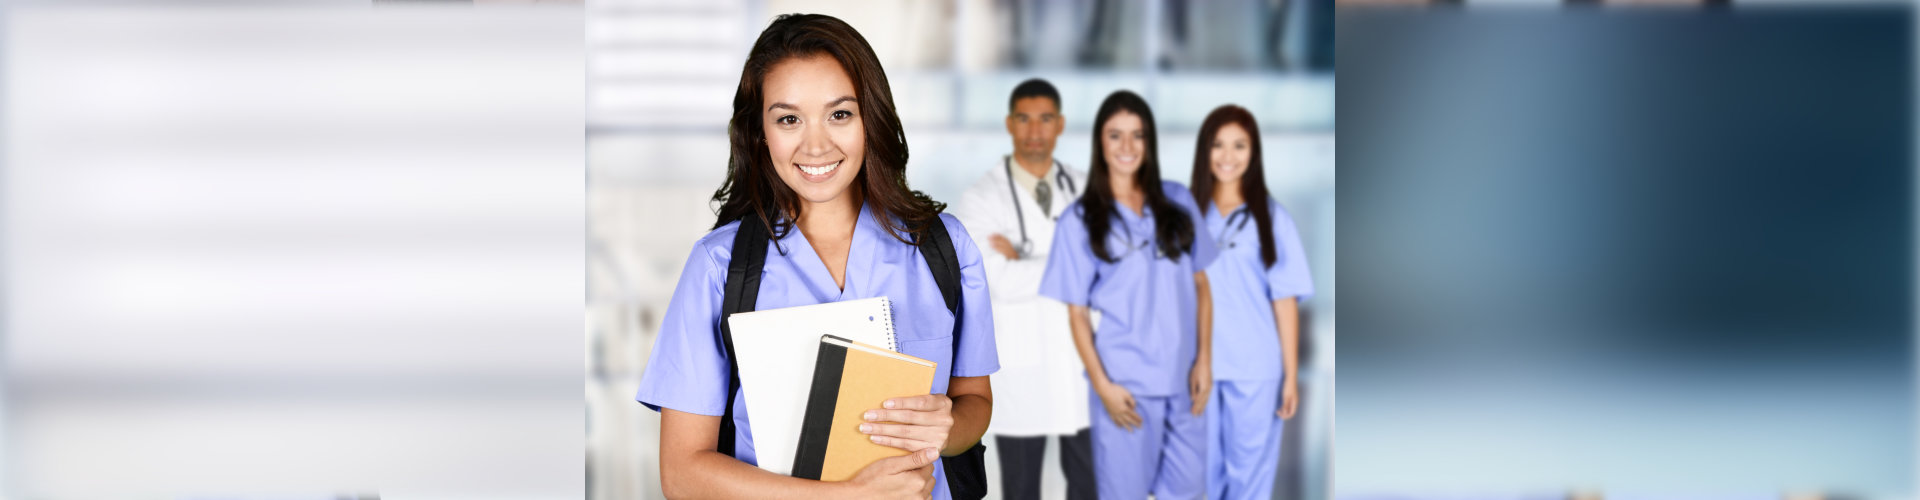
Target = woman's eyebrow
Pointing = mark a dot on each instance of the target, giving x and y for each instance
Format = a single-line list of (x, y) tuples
[(835, 102)]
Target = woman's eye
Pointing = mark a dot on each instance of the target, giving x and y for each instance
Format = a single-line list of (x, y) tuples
[(787, 120), (842, 114)]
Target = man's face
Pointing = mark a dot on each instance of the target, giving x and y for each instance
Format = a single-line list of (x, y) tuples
[(1035, 124)]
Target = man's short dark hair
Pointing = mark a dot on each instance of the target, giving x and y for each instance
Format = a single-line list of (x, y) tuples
[(1034, 87)]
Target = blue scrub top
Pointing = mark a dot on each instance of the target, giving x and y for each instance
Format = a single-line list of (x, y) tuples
[(1246, 337), (1148, 333), (688, 368)]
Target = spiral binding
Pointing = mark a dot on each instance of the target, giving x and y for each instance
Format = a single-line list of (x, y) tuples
[(886, 314)]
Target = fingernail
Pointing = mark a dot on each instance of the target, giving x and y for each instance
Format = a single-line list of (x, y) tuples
[(872, 415), (875, 439), (866, 428), (888, 404)]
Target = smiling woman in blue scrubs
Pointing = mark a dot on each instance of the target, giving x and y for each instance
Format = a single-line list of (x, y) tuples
[(819, 159), (1259, 280), (1129, 248)]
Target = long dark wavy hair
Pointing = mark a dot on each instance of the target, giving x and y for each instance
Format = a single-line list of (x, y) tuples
[(1253, 184), (753, 189), (1172, 228)]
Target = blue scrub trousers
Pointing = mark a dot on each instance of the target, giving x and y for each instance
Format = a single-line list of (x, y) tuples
[(1243, 438), (1166, 456)]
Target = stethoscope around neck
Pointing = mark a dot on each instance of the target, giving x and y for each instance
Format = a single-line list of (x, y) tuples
[(1060, 181), (1236, 222)]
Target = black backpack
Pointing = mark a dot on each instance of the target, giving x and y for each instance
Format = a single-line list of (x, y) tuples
[(967, 472)]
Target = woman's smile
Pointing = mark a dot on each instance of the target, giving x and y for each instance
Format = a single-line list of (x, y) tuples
[(818, 172)]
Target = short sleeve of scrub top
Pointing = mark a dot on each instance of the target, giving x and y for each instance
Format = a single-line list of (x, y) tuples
[(978, 355), (687, 370), (1070, 272), (1288, 277)]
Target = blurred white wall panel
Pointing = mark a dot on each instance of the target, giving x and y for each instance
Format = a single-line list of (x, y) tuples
[(257, 251)]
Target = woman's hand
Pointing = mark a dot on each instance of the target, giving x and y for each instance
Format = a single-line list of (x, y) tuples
[(1289, 399), (1200, 381), (921, 422), (905, 476), (1119, 403)]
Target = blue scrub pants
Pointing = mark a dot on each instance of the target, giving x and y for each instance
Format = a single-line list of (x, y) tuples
[(1166, 456), (1243, 438)]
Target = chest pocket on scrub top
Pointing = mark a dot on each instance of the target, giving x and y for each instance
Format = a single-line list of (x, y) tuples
[(938, 350)]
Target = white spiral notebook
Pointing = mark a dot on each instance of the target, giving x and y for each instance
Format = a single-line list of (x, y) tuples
[(777, 349)]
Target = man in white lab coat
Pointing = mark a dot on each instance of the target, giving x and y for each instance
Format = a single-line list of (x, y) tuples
[(1010, 213)]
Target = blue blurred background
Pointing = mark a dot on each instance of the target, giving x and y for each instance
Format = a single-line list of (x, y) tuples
[(1645, 251), (660, 87)]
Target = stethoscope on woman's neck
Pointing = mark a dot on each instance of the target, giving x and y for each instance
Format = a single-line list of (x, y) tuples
[(1060, 180), (1236, 222)]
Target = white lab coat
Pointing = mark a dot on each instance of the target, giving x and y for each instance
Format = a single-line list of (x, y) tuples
[(1041, 388)]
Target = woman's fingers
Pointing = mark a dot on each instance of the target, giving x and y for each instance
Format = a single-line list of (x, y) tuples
[(929, 402), (907, 462), (1289, 401), (906, 437), (916, 429), (901, 443), (926, 491), (1121, 407), (919, 432), (915, 417), (1200, 387)]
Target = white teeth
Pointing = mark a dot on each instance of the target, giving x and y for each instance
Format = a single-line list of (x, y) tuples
[(820, 170)]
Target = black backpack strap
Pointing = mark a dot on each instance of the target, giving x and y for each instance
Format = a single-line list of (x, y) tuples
[(966, 472), (937, 247), (741, 293)]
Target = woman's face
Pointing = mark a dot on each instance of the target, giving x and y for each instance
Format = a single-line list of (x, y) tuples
[(812, 123), (1232, 150), (1123, 141)]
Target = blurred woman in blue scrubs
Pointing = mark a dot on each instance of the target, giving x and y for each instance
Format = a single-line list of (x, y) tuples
[(1130, 248), (818, 159), (1258, 281)]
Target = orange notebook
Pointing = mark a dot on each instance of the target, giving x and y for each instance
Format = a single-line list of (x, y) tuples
[(850, 378)]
